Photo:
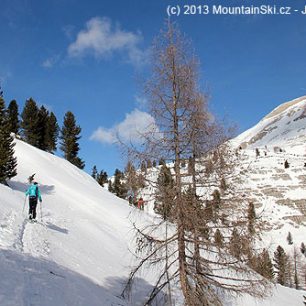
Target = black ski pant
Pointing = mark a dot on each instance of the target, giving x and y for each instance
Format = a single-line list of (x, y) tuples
[(32, 207)]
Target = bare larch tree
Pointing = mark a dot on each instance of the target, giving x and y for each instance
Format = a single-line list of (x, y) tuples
[(185, 249)]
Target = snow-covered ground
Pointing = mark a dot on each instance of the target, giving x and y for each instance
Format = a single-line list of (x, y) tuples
[(78, 253)]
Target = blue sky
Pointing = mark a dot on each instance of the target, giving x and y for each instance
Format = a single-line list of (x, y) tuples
[(88, 57)]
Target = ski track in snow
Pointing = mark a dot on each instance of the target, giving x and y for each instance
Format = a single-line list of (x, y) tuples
[(33, 240), (30, 239)]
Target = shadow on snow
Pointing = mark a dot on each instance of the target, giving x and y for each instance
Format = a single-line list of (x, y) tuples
[(28, 280), (56, 228), (21, 186)]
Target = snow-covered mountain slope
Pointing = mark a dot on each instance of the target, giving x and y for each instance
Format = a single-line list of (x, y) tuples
[(278, 137), (284, 127), (78, 254), (279, 193)]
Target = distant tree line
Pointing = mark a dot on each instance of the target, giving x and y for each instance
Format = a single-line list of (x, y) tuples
[(100, 176), (8, 162), (38, 127)]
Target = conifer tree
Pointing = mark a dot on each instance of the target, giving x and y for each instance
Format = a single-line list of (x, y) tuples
[(30, 123), (265, 266), (131, 178), (251, 218), (216, 201), (149, 164), (102, 178), (257, 152), (8, 162), (119, 187), (164, 194), (296, 276), (43, 116), (70, 135), (303, 248), (280, 263), (52, 131), (143, 167), (286, 164), (235, 244), (13, 117), (94, 172), (110, 186), (219, 240), (289, 238)]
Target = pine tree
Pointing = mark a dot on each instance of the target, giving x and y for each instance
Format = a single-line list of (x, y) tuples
[(131, 178), (8, 162), (13, 117), (280, 263), (143, 167), (69, 140), (110, 186), (257, 152), (51, 135), (251, 218), (94, 172), (102, 178), (296, 276), (164, 194), (119, 187), (235, 244), (216, 201), (219, 240), (43, 116), (286, 164), (303, 248), (30, 123), (289, 238), (149, 164), (265, 266)]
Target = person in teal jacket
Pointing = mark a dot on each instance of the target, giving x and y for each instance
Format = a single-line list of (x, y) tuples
[(34, 195)]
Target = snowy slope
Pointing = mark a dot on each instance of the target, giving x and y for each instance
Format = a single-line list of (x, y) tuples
[(285, 127), (84, 235), (278, 193), (78, 255)]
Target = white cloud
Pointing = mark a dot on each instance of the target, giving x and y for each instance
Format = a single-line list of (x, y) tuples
[(50, 62), (100, 38), (131, 129)]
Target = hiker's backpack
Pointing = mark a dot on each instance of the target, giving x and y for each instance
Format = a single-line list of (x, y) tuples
[(33, 191)]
